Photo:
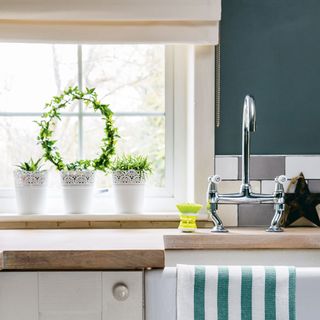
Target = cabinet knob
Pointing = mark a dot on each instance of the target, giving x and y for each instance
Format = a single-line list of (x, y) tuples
[(120, 292)]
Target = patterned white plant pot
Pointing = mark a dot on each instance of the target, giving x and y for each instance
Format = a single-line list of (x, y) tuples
[(128, 191), (78, 190), (31, 191)]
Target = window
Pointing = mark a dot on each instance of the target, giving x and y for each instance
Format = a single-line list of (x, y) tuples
[(163, 102), (134, 79), (175, 121)]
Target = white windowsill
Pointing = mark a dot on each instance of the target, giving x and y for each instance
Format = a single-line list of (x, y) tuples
[(152, 216)]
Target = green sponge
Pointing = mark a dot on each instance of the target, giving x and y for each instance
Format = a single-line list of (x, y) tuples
[(189, 207)]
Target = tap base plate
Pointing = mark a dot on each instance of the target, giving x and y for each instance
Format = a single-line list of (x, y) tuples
[(274, 229), (219, 230)]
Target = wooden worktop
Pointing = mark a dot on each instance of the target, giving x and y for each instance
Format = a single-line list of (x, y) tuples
[(81, 249), (132, 249)]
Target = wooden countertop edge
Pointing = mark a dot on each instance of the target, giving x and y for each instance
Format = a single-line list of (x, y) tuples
[(132, 254), (131, 259), (252, 239)]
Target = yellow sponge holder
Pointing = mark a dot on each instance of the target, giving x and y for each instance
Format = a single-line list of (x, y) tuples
[(188, 213)]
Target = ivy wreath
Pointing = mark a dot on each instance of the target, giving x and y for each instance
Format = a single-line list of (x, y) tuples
[(53, 114)]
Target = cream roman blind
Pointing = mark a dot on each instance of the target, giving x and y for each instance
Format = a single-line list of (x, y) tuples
[(110, 21)]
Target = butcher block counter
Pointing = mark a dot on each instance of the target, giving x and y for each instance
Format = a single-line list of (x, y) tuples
[(133, 249)]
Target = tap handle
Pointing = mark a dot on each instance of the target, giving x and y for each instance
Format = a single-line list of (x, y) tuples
[(281, 179), (215, 179), (212, 187)]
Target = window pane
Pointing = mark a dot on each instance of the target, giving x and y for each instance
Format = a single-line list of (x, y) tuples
[(67, 136), (18, 144), (142, 135), (129, 77), (32, 73)]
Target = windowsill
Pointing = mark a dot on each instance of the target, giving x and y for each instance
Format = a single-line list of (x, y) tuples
[(148, 216)]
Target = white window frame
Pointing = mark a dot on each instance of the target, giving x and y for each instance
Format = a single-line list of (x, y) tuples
[(189, 89), (160, 199)]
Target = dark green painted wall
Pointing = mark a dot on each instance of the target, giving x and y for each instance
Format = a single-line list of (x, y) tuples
[(271, 49)]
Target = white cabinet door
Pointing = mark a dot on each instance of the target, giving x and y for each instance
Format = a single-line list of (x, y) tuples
[(18, 296), (130, 307), (70, 296)]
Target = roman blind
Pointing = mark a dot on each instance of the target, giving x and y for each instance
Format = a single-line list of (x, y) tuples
[(110, 21)]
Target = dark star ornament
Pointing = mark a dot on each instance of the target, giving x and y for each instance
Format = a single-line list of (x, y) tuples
[(301, 204)]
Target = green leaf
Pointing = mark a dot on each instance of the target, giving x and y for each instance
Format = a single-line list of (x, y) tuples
[(31, 165), (131, 162)]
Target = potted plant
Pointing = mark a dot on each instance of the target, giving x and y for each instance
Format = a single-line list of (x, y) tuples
[(78, 177), (129, 173), (31, 187), (78, 181)]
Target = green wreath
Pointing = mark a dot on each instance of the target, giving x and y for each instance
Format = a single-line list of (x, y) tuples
[(49, 119)]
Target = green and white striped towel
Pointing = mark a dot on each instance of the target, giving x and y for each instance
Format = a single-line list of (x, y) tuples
[(236, 293)]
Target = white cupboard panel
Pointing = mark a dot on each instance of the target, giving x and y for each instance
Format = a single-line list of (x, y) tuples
[(18, 296), (69, 316), (130, 308), (70, 296)]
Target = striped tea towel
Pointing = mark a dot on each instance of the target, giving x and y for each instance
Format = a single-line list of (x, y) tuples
[(235, 293)]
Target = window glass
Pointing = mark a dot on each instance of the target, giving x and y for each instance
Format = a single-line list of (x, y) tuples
[(131, 78), (31, 73), (139, 134)]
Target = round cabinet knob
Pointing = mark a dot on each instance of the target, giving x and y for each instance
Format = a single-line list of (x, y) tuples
[(120, 292)]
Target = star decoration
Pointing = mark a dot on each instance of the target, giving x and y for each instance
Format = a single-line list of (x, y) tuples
[(301, 204)]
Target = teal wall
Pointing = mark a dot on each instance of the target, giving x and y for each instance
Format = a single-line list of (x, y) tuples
[(271, 49)]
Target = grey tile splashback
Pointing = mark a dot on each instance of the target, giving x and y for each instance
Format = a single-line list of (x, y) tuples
[(264, 167), (267, 186), (263, 170), (255, 214), (314, 185), (229, 214), (309, 165), (227, 167), (234, 186)]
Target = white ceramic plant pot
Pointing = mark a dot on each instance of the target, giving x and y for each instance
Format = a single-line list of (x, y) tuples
[(128, 191), (78, 190), (31, 191)]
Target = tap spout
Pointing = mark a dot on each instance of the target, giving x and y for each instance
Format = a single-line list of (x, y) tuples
[(246, 195), (248, 125)]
